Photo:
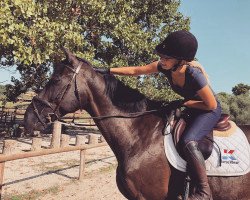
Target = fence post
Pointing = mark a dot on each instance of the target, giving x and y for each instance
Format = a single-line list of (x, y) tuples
[(5, 120), (1, 177), (93, 138), (56, 135), (102, 139), (82, 165), (8, 146), (80, 140), (36, 144), (65, 140)]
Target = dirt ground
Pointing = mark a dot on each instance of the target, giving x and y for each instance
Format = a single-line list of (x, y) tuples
[(55, 176)]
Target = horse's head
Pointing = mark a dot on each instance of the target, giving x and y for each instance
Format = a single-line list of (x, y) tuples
[(66, 92)]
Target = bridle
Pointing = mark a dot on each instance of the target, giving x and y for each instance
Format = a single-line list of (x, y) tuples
[(55, 107)]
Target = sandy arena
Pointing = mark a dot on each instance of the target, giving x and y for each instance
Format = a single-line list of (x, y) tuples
[(55, 177)]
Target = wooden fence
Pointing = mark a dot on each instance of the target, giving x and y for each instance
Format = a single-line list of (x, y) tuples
[(12, 120), (59, 144)]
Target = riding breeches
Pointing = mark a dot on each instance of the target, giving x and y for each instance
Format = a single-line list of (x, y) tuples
[(200, 123)]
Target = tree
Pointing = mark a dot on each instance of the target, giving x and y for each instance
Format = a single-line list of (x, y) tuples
[(240, 108), (2, 90), (240, 89), (224, 99), (108, 33), (237, 106)]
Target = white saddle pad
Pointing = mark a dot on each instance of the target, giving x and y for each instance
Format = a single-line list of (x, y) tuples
[(234, 158)]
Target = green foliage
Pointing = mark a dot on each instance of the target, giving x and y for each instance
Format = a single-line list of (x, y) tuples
[(241, 89), (2, 90), (106, 32), (237, 106), (2, 95)]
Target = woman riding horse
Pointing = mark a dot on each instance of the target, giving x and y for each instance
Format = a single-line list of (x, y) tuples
[(188, 79)]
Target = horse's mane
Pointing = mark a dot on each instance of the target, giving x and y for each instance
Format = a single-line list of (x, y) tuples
[(65, 61), (126, 98), (84, 60)]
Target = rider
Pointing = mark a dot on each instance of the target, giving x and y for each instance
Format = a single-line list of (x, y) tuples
[(188, 79)]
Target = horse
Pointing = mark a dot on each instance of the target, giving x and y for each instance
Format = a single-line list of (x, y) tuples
[(143, 171)]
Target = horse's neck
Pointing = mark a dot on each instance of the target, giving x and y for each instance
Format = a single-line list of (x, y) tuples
[(121, 134)]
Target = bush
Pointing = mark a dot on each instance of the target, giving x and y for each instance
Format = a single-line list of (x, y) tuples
[(236, 106)]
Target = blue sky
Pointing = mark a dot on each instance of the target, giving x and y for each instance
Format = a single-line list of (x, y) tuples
[(223, 32)]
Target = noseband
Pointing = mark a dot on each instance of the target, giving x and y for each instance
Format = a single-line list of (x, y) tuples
[(54, 107)]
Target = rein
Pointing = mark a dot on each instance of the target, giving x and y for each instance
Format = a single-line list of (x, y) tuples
[(130, 115), (62, 94)]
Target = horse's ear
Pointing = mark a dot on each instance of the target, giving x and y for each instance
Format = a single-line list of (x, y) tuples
[(69, 55)]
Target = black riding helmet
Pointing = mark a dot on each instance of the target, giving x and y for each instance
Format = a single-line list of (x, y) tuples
[(181, 45)]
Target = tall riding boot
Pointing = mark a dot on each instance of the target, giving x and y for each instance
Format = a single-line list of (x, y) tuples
[(197, 170)]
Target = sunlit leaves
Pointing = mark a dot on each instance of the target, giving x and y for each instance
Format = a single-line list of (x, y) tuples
[(33, 36), (108, 33), (237, 105)]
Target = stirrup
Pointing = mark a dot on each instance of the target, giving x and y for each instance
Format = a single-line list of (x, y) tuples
[(186, 188)]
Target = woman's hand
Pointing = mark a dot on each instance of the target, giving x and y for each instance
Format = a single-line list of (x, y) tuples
[(176, 104), (102, 70)]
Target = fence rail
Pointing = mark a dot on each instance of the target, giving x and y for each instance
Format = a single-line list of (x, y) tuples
[(59, 144), (5, 158)]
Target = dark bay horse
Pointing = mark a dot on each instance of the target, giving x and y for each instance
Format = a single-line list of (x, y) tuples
[(143, 171)]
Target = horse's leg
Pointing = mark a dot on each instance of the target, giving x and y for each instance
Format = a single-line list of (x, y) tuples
[(176, 184), (128, 189), (122, 185), (230, 188)]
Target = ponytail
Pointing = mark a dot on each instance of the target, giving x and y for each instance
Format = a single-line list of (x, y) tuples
[(199, 66)]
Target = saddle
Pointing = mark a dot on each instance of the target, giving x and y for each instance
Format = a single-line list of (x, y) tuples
[(226, 149), (179, 124)]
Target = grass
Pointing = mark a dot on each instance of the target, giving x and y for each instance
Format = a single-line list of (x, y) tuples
[(102, 170), (71, 162), (108, 169), (68, 163), (33, 194), (46, 166)]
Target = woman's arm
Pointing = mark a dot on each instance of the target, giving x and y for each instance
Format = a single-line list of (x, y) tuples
[(136, 70), (208, 100)]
